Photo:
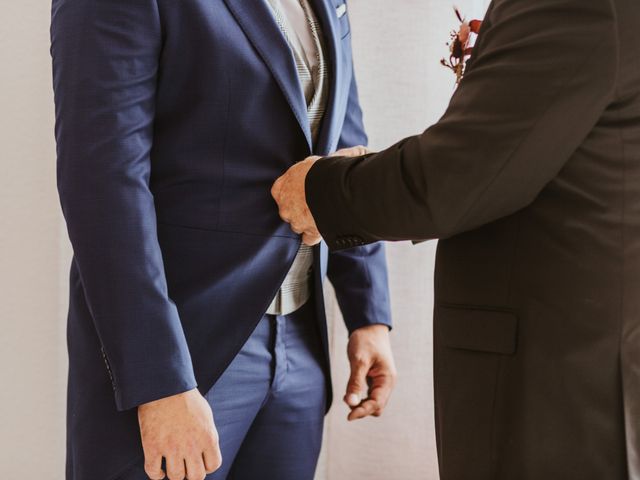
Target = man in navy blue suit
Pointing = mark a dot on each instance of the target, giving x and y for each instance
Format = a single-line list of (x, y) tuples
[(191, 302)]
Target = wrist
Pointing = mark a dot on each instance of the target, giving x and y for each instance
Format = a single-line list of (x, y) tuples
[(171, 399), (374, 328)]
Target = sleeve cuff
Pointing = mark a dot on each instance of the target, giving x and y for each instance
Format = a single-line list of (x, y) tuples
[(324, 190), (161, 383), (353, 326)]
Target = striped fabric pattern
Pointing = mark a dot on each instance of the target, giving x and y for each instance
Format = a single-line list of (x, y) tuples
[(296, 288)]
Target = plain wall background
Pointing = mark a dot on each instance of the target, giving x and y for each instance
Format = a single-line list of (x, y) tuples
[(403, 88)]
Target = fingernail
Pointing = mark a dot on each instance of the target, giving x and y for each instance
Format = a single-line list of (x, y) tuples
[(353, 399)]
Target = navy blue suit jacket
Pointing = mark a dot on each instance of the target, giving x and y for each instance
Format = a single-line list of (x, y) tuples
[(173, 119)]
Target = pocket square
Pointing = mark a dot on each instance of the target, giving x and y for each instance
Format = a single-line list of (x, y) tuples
[(341, 10)]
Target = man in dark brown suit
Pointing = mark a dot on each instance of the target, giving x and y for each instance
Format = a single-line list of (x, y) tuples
[(532, 181)]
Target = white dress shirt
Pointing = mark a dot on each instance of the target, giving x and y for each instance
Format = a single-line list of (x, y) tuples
[(296, 21)]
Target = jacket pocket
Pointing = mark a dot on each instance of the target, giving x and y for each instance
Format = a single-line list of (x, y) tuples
[(473, 349)]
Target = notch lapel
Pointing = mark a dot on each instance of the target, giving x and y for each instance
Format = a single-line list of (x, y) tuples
[(333, 43), (256, 20)]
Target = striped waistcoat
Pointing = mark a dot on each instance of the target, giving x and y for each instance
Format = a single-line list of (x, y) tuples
[(296, 288)]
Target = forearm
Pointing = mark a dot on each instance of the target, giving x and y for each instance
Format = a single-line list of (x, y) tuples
[(105, 62), (528, 102), (360, 279)]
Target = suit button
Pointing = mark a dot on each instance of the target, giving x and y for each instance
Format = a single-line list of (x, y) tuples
[(108, 367)]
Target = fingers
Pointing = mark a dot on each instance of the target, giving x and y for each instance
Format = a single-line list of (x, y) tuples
[(212, 459), (303, 224), (211, 454), (368, 408), (175, 467), (275, 189), (288, 191), (181, 429), (380, 379), (380, 392), (375, 403), (195, 469), (153, 466), (357, 385), (311, 239), (372, 370)]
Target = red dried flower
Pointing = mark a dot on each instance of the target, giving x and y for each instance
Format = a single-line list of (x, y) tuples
[(459, 46)]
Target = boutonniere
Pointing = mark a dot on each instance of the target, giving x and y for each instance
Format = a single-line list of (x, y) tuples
[(460, 46)]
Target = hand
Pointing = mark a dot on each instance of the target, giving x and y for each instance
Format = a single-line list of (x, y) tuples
[(289, 193), (179, 428), (358, 151), (373, 371)]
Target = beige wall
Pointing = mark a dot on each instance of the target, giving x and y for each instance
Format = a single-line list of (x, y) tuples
[(397, 47), (32, 351)]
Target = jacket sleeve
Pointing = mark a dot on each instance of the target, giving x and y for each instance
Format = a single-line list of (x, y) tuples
[(359, 275), (105, 66), (544, 74)]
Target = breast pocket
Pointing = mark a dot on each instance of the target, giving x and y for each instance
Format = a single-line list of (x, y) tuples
[(342, 14)]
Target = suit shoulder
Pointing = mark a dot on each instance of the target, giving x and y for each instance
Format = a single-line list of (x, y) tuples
[(499, 9)]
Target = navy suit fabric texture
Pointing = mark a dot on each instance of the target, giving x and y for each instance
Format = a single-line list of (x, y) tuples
[(269, 403), (173, 119)]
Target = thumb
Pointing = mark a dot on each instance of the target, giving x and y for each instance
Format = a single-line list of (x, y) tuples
[(357, 385)]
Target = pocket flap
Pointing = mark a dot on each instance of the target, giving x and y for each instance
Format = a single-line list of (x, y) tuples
[(491, 331)]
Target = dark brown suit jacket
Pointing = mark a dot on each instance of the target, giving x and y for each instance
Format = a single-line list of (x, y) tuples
[(532, 180)]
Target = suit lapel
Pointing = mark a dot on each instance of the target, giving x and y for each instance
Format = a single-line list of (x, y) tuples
[(486, 24), (329, 21), (256, 20)]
